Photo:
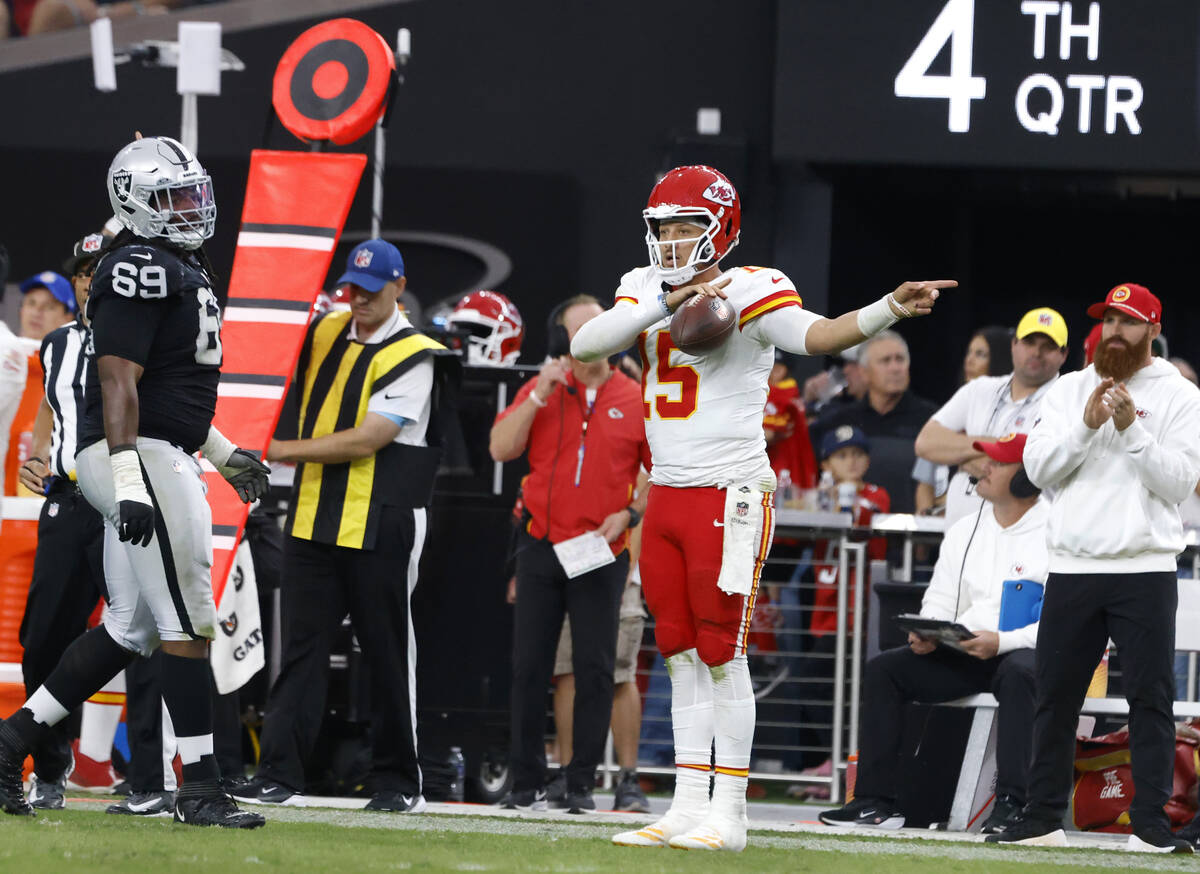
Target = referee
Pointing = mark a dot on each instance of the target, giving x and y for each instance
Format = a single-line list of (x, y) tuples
[(361, 414), (68, 567)]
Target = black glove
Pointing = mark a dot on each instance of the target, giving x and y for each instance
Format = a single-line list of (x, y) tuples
[(137, 522), (246, 474)]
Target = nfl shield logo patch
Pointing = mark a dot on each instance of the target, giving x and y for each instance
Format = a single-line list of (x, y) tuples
[(362, 258), (742, 508), (52, 510)]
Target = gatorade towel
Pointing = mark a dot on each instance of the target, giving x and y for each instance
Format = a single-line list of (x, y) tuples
[(296, 205)]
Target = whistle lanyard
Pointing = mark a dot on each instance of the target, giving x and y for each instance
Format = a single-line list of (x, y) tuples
[(587, 417)]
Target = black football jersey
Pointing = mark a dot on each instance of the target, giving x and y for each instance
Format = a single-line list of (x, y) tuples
[(155, 307)]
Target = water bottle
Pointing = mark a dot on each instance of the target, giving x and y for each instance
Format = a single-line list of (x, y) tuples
[(847, 497), (459, 768), (825, 493), (787, 492)]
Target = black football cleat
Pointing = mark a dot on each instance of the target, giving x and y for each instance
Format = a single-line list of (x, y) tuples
[(217, 809), (12, 764)]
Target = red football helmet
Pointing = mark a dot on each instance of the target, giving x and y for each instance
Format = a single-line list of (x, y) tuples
[(701, 195), (493, 326)]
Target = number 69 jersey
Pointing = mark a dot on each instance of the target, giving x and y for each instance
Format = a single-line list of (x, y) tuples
[(155, 307), (704, 414)]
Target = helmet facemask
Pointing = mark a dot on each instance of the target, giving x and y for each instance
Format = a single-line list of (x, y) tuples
[(187, 213), (703, 253)]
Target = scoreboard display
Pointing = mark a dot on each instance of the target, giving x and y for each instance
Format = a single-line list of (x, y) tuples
[(1105, 85)]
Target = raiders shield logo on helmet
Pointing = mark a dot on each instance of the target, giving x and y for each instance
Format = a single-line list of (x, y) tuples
[(120, 181)]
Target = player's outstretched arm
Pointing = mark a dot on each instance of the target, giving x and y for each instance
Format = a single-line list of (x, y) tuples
[(909, 300), (240, 467)]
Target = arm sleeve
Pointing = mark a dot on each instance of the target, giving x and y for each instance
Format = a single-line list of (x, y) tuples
[(1059, 441), (1169, 468), (615, 330), (953, 414), (942, 595), (125, 327), (785, 328), (404, 399)]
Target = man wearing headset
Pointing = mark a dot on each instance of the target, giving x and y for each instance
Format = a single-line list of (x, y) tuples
[(583, 427), (1005, 539), (988, 406)]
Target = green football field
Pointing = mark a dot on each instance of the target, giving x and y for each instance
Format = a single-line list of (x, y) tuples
[(312, 840)]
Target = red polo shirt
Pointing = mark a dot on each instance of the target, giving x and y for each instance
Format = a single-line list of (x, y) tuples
[(567, 496)]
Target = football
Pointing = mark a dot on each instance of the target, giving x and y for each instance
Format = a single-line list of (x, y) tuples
[(701, 324)]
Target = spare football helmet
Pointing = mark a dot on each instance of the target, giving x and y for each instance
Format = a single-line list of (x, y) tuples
[(702, 196), (158, 190), (492, 325)]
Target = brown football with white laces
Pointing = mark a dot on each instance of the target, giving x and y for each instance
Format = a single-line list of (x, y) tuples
[(702, 323)]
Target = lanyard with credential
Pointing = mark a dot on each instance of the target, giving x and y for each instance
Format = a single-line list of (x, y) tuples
[(587, 417)]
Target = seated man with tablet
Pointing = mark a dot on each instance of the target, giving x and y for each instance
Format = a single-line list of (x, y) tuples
[(975, 633)]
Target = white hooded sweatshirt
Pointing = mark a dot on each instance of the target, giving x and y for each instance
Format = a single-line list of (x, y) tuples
[(1117, 493), (977, 556)]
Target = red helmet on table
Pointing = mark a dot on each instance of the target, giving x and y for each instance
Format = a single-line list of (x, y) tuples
[(493, 326)]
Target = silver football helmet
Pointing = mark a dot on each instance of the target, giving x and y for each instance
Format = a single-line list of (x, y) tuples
[(158, 189)]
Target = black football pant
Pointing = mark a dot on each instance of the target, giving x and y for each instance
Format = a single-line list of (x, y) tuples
[(593, 603), (68, 580), (897, 676), (1079, 615), (320, 585)]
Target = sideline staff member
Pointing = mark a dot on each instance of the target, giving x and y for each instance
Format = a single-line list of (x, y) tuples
[(1118, 441), (360, 405), (583, 427)]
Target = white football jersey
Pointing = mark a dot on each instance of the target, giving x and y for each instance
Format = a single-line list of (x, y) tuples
[(704, 414)]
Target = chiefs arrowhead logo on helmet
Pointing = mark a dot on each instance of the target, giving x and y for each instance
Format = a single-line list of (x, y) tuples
[(363, 258), (720, 192)]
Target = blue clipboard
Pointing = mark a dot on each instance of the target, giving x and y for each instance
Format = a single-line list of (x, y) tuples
[(1020, 604)]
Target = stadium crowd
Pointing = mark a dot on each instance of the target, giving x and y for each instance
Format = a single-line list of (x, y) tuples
[(855, 438)]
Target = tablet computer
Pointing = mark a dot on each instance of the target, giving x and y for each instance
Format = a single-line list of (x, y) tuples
[(939, 630)]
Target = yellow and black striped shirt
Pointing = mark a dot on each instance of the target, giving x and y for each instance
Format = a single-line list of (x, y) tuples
[(335, 378)]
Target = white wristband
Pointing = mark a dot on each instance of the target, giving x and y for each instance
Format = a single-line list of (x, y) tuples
[(128, 484), (537, 402), (876, 317), (217, 447)]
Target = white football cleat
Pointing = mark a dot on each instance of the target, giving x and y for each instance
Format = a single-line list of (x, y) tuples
[(713, 834), (658, 834)]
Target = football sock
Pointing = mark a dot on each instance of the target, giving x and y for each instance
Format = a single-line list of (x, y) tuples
[(169, 748), (733, 717), (692, 726), (185, 684), (101, 716)]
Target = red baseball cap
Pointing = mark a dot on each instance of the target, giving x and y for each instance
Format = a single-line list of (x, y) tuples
[(1130, 298), (1008, 449)]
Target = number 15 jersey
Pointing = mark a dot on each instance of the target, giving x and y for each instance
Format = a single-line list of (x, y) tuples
[(704, 413), (155, 307)]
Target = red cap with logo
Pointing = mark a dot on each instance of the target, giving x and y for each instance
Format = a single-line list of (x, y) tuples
[(1136, 300), (1008, 449)]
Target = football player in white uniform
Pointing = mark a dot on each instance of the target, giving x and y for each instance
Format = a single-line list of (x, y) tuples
[(709, 522)]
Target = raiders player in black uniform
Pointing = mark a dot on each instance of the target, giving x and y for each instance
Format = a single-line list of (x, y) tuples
[(151, 393)]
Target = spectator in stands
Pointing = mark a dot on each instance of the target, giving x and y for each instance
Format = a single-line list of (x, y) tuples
[(890, 414), (1185, 369), (1003, 540), (841, 382), (989, 406), (988, 353), (42, 16), (846, 454), (789, 446), (48, 302), (1117, 443), (582, 425)]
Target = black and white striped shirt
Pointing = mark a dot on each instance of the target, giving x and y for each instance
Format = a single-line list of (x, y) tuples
[(65, 364)]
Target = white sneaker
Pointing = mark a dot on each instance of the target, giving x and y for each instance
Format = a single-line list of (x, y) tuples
[(660, 833), (715, 833)]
